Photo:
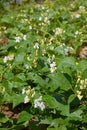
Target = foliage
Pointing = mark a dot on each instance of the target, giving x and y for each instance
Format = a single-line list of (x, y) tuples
[(41, 76)]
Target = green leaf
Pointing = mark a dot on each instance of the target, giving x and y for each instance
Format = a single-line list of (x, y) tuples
[(51, 102), (9, 75), (71, 98), (76, 114), (3, 128), (85, 118), (47, 121), (82, 66), (17, 99), (37, 79), (24, 116), (84, 74), (21, 76), (67, 65), (58, 80), (52, 129), (3, 118), (19, 59), (58, 128)]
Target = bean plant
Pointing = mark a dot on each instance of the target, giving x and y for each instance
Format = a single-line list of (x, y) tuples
[(43, 75)]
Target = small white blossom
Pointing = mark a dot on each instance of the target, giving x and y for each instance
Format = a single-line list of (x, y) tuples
[(30, 27), (23, 91), (52, 69), (5, 59), (77, 15), (33, 94), (42, 106), (27, 66), (77, 32), (36, 46), (52, 65), (66, 50), (58, 31), (45, 19), (11, 57), (17, 39), (49, 60), (81, 7), (38, 103), (25, 37), (28, 91), (79, 95), (43, 7), (40, 18), (26, 99)]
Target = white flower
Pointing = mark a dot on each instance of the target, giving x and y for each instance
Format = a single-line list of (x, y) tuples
[(26, 99), (52, 69), (23, 91), (38, 103), (81, 7), (40, 18), (52, 65), (45, 19), (77, 32), (27, 66), (36, 46), (5, 59), (43, 7), (66, 50), (77, 15), (58, 31), (79, 95), (42, 106), (11, 57), (49, 60), (28, 91), (30, 27), (25, 37), (17, 39)]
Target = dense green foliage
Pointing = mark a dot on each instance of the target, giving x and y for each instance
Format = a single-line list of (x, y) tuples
[(40, 74)]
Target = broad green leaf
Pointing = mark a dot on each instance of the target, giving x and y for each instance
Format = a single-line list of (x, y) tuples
[(82, 66), (9, 75), (3, 128), (37, 79), (52, 128), (67, 65), (50, 101), (84, 74), (24, 116), (21, 76), (71, 98), (3, 118), (48, 120), (19, 59), (30, 75), (58, 128), (85, 118), (58, 80), (17, 99), (76, 114)]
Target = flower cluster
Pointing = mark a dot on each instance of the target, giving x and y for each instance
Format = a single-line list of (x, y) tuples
[(38, 103), (81, 85), (19, 38), (58, 31), (29, 94), (10, 57)]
